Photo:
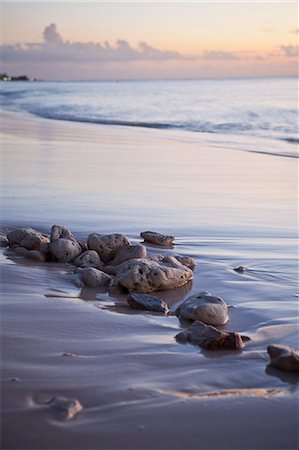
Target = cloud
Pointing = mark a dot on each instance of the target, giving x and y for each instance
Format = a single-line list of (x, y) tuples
[(55, 49), (295, 31), (290, 50), (219, 55), (51, 35)]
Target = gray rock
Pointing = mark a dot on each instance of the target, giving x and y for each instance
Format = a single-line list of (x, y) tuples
[(89, 258), (65, 250), (208, 337), (148, 302), (240, 269), (36, 255), (4, 242), (205, 308), (65, 408), (20, 251), (94, 278), (107, 245), (186, 261), (27, 238), (126, 253), (284, 357), (60, 232), (146, 275), (157, 238)]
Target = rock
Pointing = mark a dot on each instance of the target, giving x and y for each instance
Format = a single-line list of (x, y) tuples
[(284, 357), (126, 253), (157, 238), (4, 242), (146, 275), (65, 408), (208, 337), (240, 269), (107, 245), (92, 277), (89, 258), (60, 232), (186, 261), (27, 238), (65, 250), (205, 308), (21, 251), (148, 302), (36, 255)]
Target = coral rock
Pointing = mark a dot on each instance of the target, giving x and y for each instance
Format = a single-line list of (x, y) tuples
[(126, 253), (146, 275), (107, 245), (208, 337), (284, 357), (65, 250), (94, 278), (205, 308), (89, 258), (60, 232), (27, 238), (148, 302), (157, 238), (65, 408)]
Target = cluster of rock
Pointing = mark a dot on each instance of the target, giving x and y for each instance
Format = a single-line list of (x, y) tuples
[(112, 261), (107, 259)]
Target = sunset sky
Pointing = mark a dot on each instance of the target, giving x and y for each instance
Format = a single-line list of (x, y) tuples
[(115, 40)]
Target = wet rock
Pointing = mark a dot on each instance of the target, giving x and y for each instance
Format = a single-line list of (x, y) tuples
[(89, 258), (146, 275), (186, 261), (15, 379), (107, 245), (27, 238), (20, 251), (36, 255), (92, 277), (60, 232), (205, 308), (65, 408), (126, 253), (4, 242), (148, 302), (208, 337), (65, 250), (240, 269), (284, 357), (157, 238)]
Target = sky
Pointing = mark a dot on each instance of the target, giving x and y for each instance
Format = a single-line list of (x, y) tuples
[(131, 40)]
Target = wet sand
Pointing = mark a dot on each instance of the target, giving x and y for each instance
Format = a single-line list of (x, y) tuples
[(139, 388)]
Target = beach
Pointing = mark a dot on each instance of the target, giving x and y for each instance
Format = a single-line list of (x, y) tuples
[(139, 387)]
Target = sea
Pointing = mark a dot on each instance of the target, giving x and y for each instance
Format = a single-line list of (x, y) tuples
[(261, 109), (211, 162)]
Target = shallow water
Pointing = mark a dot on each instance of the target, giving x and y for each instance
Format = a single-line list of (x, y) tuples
[(138, 386)]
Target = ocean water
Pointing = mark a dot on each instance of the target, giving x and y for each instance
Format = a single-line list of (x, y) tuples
[(225, 110)]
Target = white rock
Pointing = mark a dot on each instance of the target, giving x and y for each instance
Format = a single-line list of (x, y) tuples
[(107, 245), (204, 307), (146, 275)]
